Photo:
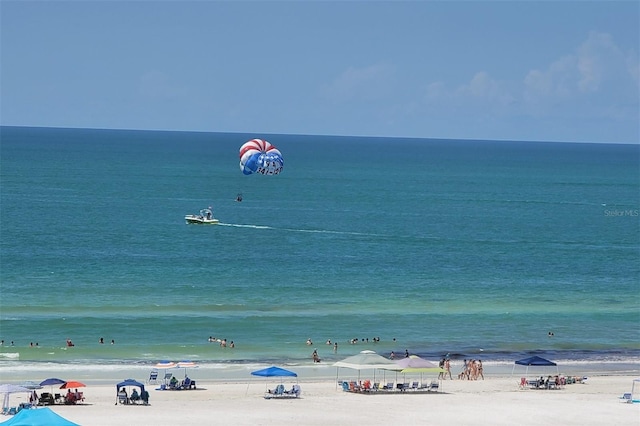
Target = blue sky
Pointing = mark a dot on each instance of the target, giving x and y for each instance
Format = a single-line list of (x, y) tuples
[(505, 70)]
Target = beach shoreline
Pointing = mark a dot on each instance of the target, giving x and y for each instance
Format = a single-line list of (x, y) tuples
[(238, 397), (15, 371)]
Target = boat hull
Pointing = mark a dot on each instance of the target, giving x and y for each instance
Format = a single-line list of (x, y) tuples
[(198, 220)]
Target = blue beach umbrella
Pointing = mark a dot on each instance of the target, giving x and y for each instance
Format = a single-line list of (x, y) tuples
[(52, 381)]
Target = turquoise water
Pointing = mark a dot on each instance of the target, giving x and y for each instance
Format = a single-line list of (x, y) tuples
[(473, 248)]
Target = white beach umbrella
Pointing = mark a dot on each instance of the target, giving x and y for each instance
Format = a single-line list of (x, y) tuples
[(165, 365), (185, 365)]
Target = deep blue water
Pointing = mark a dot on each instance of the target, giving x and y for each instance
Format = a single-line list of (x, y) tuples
[(446, 246)]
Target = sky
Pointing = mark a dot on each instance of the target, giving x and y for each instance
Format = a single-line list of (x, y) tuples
[(565, 71)]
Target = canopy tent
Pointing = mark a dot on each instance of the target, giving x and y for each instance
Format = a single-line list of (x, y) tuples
[(8, 389), (535, 361), (131, 382), (635, 397), (41, 416), (415, 364), (366, 360), (272, 371)]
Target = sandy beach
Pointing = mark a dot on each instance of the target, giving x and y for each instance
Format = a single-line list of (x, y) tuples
[(497, 400)]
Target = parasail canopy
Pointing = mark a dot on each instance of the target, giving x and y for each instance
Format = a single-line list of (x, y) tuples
[(259, 156)]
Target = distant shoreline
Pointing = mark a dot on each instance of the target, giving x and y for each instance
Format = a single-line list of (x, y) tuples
[(16, 371)]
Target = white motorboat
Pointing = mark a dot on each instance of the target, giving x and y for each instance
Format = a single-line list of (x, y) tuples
[(204, 218)]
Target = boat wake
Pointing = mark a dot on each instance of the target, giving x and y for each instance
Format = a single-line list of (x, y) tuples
[(309, 231)]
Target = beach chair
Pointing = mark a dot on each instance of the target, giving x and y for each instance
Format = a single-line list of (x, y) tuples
[(414, 386), (626, 398), (46, 399), (153, 377), (167, 378), (279, 390), (434, 386), (388, 386), (523, 383), (345, 386), (122, 398), (295, 391), (187, 384)]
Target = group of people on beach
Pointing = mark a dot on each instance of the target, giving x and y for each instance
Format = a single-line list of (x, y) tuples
[(471, 370)]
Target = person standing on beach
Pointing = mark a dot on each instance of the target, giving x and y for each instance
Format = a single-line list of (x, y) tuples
[(441, 365), (447, 366)]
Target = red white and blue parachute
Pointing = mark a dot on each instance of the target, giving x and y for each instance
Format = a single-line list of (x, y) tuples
[(259, 156)]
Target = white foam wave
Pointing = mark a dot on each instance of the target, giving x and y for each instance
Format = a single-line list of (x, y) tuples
[(10, 355)]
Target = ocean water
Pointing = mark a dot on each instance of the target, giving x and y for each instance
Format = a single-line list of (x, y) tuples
[(471, 248)]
